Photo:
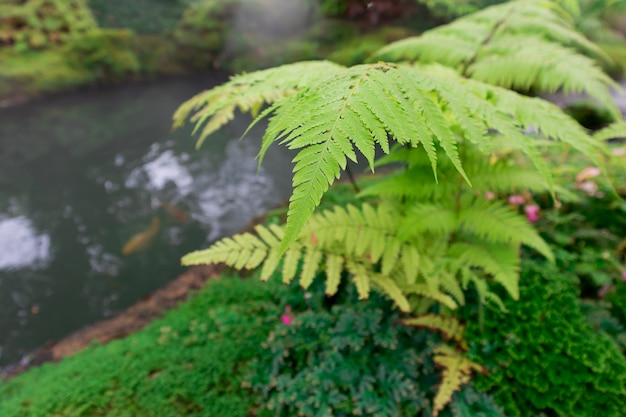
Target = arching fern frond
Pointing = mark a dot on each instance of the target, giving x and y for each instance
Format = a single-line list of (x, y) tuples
[(347, 111), (248, 93), (523, 44)]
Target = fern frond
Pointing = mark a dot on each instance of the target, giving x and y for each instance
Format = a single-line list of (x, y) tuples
[(451, 327), (334, 267), (496, 223), (434, 219), (426, 291), (247, 92), (389, 287), (457, 371), (413, 183), (522, 44), (499, 260), (351, 110), (450, 284), (526, 62), (613, 131), (361, 277)]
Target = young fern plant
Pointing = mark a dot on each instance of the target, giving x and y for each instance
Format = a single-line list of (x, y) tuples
[(427, 232), (440, 121)]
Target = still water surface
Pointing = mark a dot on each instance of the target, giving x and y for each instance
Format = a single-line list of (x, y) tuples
[(81, 174)]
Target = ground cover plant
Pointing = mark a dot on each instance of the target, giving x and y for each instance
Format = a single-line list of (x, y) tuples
[(192, 362), (450, 113)]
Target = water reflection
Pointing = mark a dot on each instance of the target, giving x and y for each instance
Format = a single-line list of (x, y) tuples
[(80, 175), (21, 246)]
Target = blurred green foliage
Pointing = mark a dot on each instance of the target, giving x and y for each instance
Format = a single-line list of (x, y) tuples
[(38, 24), (543, 356), (106, 53), (141, 16), (451, 9)]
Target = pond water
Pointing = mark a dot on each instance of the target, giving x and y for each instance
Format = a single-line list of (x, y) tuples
[(81, 174)]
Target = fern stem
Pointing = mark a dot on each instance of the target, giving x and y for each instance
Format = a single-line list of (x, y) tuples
[(352, 179), (498, 25)]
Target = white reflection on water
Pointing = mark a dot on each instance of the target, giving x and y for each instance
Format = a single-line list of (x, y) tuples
[(21, 246), (159, 171), (238, 190)]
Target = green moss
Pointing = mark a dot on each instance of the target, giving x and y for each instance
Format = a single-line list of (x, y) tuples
[(543, 356), (189, 363), (356, 50), (106, 53), (45, 71), (140, 16)]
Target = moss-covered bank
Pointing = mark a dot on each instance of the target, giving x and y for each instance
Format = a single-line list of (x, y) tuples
[(54, 45)]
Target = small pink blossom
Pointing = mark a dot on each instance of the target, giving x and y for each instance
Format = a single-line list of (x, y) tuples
[(313, 239), (624, 275), (619, 151), (532, 212), (587, 173), (516, 200), (490, 195), (604, 290), (590, 187), (287, 318)]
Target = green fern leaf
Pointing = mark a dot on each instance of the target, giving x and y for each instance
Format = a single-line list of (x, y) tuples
[(248, 92), (290, 265), (451, 327), (311, 262), (426, 291), (520, 44), (497, 223), (361, 277), (392, 290), (613, 131), (427, 218), (334, 265), (499, 260)]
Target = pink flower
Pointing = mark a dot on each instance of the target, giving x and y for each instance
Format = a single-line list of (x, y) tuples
[(287, 318), (624, 275), (589, 172), (490, 195), (516, 200), (532, 212), (604, 290)]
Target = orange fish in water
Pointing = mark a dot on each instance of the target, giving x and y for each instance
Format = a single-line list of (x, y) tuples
[(142, 239), (177, 214)]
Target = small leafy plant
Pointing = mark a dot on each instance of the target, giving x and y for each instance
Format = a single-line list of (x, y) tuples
[(346, 357)]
